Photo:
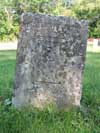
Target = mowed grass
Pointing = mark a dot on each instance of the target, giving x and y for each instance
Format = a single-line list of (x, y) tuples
[(85, 119)]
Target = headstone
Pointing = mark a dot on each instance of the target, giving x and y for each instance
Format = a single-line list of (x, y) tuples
[(96, 45), (50, 60)]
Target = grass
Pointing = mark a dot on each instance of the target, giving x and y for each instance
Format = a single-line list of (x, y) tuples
[(85, 119)]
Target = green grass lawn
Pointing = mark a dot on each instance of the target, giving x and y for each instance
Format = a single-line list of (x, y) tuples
[(85, 119)]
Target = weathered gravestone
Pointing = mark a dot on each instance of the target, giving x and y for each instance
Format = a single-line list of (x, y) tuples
[(50, 61)]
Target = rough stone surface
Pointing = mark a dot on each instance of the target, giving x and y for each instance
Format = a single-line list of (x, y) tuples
[(50, 61)]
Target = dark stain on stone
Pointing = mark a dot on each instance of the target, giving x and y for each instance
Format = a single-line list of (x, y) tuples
[(20, 59), (64, 75), (73, 63)]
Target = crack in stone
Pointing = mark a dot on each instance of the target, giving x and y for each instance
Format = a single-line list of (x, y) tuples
[(49, 82)]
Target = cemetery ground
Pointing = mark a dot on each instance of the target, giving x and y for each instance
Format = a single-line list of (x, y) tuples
[(85, 119)]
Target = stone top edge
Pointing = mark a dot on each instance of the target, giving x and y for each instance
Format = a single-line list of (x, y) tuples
[(30, 17)]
